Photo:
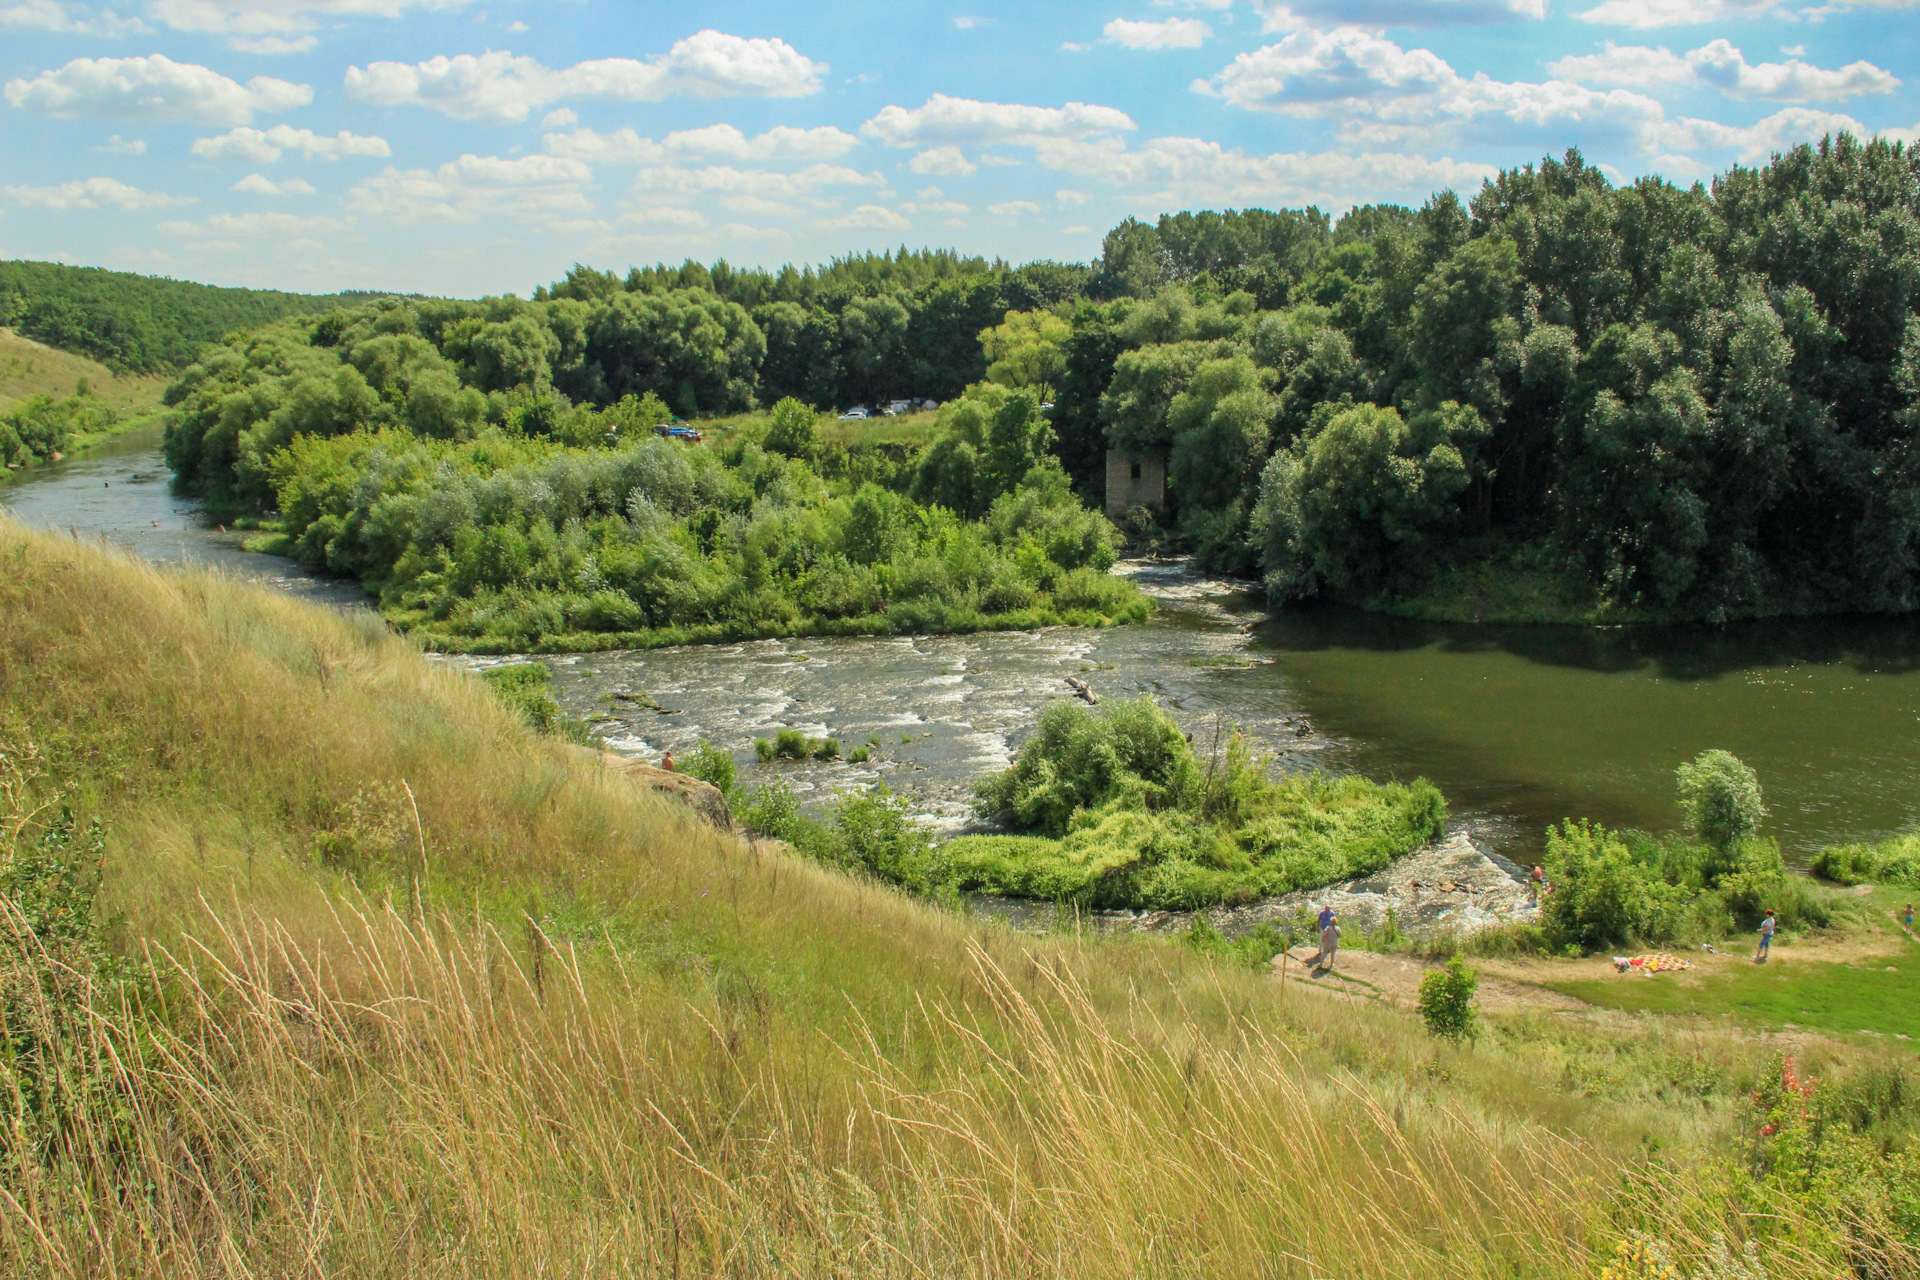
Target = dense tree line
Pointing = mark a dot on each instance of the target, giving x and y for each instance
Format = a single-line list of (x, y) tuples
[(860, 329), (137, 324), (1643, 399), (1560, 398)]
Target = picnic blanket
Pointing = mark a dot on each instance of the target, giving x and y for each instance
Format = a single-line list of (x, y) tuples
[(1650, 965)]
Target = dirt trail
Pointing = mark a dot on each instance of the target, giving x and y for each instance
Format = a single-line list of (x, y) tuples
[(1515, 985), (1395, 980)]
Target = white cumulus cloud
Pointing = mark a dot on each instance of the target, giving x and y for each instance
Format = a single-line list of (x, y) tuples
[(943, 162), (666, 216), (93, 193), (622, 146), (1648, 14), (277, 26), (869, 217), (1377, 93), (530, 188), (503, 89), (152, 88), (264, 146), (1195, 173), (67, 19), (1719, 65), (260, 185), (1289, 15), (722, 141), (297, 230), (966, 121), (764, 183), (1172, 33), (782, 142), (1013, 208), (1756, 142)]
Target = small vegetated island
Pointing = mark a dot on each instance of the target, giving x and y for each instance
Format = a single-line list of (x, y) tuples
[(1117, 809), (427, 449)]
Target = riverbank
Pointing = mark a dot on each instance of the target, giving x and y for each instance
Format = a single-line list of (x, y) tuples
[(1447, 889)]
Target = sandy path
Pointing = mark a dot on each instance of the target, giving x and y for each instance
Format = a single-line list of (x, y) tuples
[(1395, 980)]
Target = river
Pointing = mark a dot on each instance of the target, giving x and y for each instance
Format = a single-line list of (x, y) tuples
[(1519, 726)]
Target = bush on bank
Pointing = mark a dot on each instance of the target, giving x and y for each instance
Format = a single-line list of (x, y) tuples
[(1891, 861), (1613, 888)]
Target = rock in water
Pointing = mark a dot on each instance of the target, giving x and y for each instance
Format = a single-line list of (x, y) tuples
[(702, 797)]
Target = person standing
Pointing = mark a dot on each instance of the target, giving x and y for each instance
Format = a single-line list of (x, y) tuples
[(1329, 937), (1765, 948), (1537, 879)]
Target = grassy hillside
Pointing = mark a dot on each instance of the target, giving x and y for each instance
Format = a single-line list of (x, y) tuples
[(405, 991), (29, 368), (139, 324)]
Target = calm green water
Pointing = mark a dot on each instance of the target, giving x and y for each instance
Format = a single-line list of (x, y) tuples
[(1529, 725), (1520, 727)]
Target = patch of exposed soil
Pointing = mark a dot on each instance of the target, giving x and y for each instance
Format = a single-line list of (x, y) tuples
[(1395, 980)]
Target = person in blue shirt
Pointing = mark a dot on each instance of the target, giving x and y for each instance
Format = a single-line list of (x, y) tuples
[(1329, 937)]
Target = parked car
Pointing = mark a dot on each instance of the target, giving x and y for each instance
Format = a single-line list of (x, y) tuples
[(856, 413), (683, 433)]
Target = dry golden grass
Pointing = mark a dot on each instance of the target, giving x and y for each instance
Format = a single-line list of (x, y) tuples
[(29, 368), (553, 1028)]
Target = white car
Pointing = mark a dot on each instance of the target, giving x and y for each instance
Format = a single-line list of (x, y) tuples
[(857, 413)]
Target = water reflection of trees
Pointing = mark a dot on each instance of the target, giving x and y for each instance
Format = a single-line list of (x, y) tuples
[(1885, 645)]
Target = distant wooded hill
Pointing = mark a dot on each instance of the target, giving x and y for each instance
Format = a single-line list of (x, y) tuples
[(139, 324)]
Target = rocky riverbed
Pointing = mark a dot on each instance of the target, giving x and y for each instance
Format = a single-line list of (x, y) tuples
[(1452, 886)]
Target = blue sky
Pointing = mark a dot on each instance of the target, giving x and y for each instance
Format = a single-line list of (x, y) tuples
[(463, 147)]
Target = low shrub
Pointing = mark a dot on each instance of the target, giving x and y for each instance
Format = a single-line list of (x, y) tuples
[(1814, 1141), (1254, 949), (711, 765), (1446, 1001), (56, 968), (523, 687), (1602, 895), (1892, 861), (1722, 799), (791, 744)]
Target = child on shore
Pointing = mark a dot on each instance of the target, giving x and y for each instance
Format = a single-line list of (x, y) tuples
[(1765, 948)]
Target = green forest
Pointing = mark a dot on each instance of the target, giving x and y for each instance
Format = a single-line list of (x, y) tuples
[(1558, 400), (133, 323)]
